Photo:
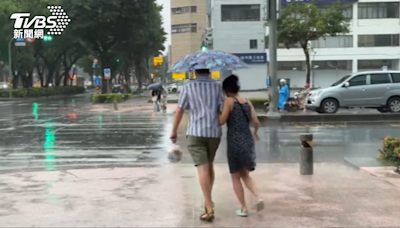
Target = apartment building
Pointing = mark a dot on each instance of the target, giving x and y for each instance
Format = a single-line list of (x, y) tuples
[(372, 44), (188, 22)]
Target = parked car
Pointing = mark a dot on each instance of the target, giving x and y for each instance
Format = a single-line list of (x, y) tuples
[(175, 87), (372, 89), (118, 88)]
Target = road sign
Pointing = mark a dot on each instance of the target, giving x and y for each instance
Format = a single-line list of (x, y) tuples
[(158, 61), (385, 68), (178, 76), (20, 42), (107, 73), (215, 75), (97, 81)]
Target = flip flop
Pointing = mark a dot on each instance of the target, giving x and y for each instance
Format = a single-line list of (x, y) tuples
[(259, 206), (240, 213)]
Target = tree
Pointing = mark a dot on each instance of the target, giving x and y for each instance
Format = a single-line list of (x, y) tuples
[(301, 23)]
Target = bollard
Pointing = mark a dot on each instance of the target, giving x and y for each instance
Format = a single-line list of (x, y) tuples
[(115, 104), (306, 155)]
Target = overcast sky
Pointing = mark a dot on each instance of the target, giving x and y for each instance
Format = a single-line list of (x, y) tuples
[(166, 19)]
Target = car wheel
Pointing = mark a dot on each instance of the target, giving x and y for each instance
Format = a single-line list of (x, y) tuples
[(329, 106), (174, 90), (394, 104), (382, 110)]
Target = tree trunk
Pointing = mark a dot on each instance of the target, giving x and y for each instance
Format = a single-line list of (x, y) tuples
[(308, 64), (138, 71)]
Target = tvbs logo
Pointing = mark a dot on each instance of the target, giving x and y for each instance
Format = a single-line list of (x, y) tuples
[(26, 28)]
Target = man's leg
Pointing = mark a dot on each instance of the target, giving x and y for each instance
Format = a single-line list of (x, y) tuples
[(198, 148), (213, 144)]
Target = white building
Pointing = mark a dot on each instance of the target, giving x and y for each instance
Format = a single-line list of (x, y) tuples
[(373, 42)]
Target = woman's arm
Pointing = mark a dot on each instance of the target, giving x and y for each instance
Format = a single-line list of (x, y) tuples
[(254, 119), (228, 104)]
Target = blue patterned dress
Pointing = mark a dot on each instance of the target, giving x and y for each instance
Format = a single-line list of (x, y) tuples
[(241, 152)]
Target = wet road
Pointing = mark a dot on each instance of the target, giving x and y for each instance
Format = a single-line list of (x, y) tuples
[(57, 134)]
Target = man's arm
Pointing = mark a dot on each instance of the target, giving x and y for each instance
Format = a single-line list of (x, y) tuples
[(183, 104)]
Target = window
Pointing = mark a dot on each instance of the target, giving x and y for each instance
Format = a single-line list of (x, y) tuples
[(358, 80), (290, 65), (333, 42), (186, 9), (378, 10), (347, 13), (253, 44), (184, 28), (396, 77), (332, 65), (374, 64), (390, 40), (240, 13), (379, 78)]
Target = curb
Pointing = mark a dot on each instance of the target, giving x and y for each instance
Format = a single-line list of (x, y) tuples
[(324, 118)]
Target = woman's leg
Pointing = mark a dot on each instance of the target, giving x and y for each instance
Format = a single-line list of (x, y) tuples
[(239, 191), (250, 184)]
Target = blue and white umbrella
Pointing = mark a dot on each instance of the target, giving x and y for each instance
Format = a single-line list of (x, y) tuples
[(212, 60)]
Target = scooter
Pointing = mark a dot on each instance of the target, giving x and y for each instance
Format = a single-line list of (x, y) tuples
[(292, 105)]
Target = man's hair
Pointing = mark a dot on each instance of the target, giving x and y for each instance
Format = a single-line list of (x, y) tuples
[(203, 71), (231, 84)]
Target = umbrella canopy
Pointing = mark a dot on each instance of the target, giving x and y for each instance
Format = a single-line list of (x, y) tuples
[(155, 86), (212, 60)]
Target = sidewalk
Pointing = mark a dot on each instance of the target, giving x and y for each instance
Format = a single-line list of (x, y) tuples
[(169, 196)]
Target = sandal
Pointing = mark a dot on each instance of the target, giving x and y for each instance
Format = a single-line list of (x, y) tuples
[(239, 212), (208, 216), (213, 205)]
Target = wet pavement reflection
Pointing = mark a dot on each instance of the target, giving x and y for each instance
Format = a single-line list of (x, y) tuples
[(57, 134)]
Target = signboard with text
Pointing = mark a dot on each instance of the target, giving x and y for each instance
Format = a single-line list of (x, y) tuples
[(178, 76), (252, 58)]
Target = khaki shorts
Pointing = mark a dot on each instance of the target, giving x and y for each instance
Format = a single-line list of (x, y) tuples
[(203, 149)]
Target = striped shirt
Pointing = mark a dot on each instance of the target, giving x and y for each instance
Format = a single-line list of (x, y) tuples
[(204, 98)]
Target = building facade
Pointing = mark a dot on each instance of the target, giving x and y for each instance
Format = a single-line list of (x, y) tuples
[(372, 44), (238, 27), (188, 22)]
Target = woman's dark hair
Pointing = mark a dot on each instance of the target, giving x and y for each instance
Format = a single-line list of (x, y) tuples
[(231, 84)]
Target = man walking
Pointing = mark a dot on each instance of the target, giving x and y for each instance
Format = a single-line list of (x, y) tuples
[(203, 97)]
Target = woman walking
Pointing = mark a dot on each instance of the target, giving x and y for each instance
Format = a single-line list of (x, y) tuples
[(238, 113)]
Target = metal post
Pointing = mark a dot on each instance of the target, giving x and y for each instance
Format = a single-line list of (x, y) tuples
[(306, 155), (10, 74), (272, 47), (115, 104)]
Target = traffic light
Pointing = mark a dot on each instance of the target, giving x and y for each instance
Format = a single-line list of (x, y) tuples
[(203, 48), (117, 60), (47, 38)]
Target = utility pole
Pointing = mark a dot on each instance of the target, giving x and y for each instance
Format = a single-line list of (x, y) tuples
[(272, 12), (10, 73)]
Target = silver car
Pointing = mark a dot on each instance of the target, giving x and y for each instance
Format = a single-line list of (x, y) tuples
[(372, 89)]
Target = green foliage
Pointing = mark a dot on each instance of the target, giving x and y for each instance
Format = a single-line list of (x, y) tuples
[(109, 98), (301, 23), (91, 87), (258, 102), (43, 91), (391, 149), (102, 29)]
